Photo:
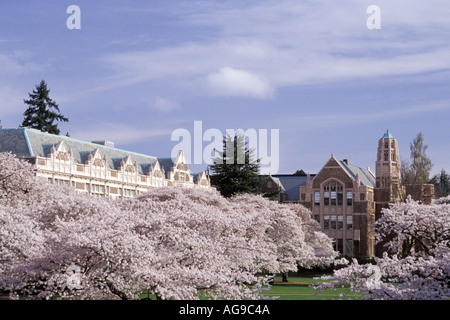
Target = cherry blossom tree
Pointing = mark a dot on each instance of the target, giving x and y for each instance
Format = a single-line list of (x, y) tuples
[(17, 180), (419, 235), (419, 229), (175, 248), (176, 243), (295, 237), (442, 200)]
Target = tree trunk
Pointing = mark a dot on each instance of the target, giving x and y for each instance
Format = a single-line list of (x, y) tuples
[(116, 291)]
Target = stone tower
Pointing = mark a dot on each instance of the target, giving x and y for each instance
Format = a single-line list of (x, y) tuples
[(388, 180), (387, 168)]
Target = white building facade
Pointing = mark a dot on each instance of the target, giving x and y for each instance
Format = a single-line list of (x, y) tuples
[(97, 167)]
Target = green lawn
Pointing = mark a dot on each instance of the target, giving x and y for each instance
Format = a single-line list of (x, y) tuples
[(298, 288)]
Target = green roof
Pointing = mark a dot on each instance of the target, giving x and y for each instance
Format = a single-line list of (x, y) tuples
[(388, 135), (366, 177), (26, 142)]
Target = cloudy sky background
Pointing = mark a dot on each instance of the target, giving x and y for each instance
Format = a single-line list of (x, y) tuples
[(138, 70)]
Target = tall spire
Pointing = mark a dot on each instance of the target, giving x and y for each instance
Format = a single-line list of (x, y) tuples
[(388, 135)]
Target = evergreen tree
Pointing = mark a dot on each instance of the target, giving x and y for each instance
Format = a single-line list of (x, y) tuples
[(300, 173), (235, 169), (441, 184), (42, 111)]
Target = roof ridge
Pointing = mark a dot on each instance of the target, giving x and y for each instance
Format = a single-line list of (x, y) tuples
[(96, 145)]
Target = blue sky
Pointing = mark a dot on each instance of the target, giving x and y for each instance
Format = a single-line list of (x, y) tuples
[(138, 70)]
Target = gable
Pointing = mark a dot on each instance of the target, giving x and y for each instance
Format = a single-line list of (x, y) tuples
[(333, 169)]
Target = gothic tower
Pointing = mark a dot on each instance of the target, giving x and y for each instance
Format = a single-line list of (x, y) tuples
[(388, 176), (388, 180)]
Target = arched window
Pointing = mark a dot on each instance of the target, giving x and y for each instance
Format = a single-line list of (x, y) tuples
[(333, 194)]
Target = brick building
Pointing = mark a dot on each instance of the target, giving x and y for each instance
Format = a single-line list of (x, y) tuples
[(346, 199), (341, 199)]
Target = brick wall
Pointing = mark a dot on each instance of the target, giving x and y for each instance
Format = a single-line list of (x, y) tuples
[(423, 193), (334, 170)]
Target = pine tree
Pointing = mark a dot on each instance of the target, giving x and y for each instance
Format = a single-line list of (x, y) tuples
[(236, 170), (441, 184), (42, 111), (300, 173)]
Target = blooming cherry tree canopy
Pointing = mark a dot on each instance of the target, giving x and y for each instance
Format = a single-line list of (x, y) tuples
[(418, 267), (176, 243)]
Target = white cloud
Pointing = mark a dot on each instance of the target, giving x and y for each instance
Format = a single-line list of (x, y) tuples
[(269, 45), (164, 105), (239, 83), (320, 121), (18, 63)]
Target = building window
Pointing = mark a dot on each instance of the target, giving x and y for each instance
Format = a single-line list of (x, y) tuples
[(317, 217), (340, 222), (386, 156), (340, 245), (349, 198), (349, 247), (340, 198), (128, 192), (333, 222), (97, 189), (326, 198), (349, 222), (333, 198), (317, 198), (332, 194), (326, 222)]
